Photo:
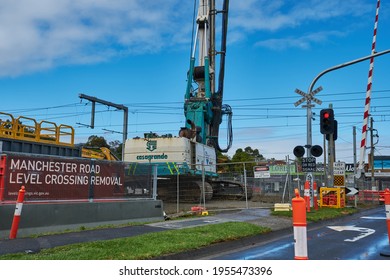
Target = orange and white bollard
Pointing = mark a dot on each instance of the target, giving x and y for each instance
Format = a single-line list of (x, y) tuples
[(386, 252), (299, 224), (306, 194), (387, 209), (315, 193), (18, 212)]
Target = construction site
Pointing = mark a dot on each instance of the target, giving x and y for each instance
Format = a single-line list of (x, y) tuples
[(67, 185)]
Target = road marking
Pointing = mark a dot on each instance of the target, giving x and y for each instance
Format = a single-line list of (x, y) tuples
[(374, 218), (213, 221), (170, 226), (364, 232)]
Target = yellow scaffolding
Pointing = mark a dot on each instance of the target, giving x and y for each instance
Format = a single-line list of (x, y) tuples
[(28, 129)]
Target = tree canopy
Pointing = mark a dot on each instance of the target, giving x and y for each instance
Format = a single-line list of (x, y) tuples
[(97, 142), (247, 155)]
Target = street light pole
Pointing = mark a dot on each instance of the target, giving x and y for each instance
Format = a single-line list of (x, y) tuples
[(345, 65), (309, 135)]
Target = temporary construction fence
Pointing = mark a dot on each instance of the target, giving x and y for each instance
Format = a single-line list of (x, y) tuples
[(55, 179), (234, 185), (246, 186), (237, 185)]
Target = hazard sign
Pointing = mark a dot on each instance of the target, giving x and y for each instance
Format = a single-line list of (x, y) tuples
[(339, 180)]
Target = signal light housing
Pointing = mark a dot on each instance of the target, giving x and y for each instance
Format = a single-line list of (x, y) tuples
[(316, 151), (299, 151), (334, 132), (327, 121)]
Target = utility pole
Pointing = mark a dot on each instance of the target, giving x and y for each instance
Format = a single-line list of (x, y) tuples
[(372, 154), (354, 162)]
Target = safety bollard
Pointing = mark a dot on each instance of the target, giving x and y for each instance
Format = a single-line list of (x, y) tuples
[(387, 209), (18, 212), (386, 253), (315, 193), (299, 224), (306, 194)]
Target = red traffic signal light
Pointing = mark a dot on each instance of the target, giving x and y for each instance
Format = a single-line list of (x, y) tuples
[(327, 121)]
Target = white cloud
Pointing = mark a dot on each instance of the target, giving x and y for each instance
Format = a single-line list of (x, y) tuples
[(262, 19), (302, 42), (36, 35), (264, 15)]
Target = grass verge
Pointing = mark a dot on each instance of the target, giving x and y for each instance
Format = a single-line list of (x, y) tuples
[(320, 214), (146, 246)]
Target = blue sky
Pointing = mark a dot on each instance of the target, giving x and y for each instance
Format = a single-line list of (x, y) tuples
[(136, 53)]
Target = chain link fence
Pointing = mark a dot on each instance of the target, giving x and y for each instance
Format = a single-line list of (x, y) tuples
[(181, 187), (252, 184)]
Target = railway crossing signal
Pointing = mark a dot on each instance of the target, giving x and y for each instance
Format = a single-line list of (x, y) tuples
[(308, 96), (315, 151)]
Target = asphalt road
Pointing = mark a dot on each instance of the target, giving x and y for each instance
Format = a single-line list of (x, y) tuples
[(326, 240), (358, 237)]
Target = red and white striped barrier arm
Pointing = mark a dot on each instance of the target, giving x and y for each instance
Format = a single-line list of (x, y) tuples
[(368, 98)]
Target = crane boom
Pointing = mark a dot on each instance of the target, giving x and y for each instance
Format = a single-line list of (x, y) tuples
[(203, 107), (193, 155)]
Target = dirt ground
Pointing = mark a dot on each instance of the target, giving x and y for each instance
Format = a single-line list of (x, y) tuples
[(214, 205), (223, 208)]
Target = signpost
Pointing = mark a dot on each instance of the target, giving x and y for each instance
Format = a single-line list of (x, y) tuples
[(309, 164), (339, 174), (309, 97), (261, 172), (351, 191)]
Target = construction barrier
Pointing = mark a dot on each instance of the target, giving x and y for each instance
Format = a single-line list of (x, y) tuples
[(282, 207), (386, 195), (299, 224), (315, 192), (306, 194), (332, 197), (18, 212), (370, 195), (199, 210), (387, 208)]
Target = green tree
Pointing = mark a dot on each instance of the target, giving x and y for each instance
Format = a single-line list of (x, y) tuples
[(222, 160), (248, 156), (97, 142), (116, 148)]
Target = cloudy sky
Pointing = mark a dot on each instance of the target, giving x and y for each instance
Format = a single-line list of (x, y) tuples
[(136, 53)]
